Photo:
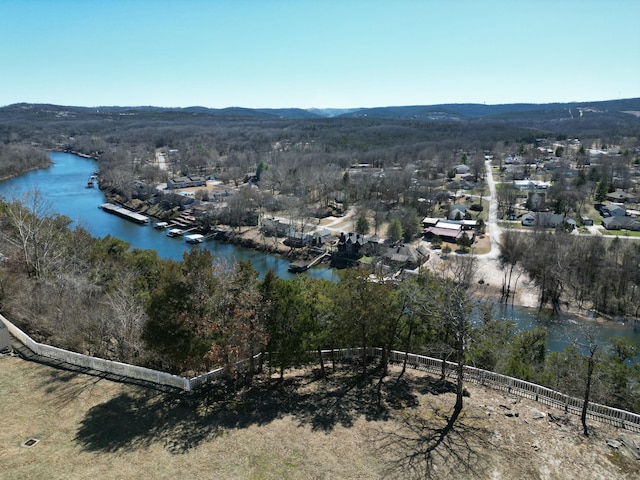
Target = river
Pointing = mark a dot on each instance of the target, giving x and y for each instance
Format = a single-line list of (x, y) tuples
[(64, 186)]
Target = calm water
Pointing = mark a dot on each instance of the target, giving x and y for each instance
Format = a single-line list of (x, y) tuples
[(563, 331), (64, 186)]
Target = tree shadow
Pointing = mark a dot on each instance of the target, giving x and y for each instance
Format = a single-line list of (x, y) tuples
[(64, 387), (440, 446), (183, 421)]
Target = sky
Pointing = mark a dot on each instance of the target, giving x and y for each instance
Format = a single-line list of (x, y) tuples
[(317, 54)]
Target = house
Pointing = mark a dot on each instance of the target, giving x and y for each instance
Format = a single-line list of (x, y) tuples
[(320, 237), (446, 230), (461, 169), (457, 211), (530, 185), (620, 196), (621, 223), (351, 244), (586, 221), (405, 256), (513, 160), (276, 228), (429, 222), (613, 210), (546, 220), (186, 182), (467, 224), (523, 184), (298, 239), (349, 250), (469, 178)]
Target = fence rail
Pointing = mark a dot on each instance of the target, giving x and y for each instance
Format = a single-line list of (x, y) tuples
[(524, 389), (514, 386), (99, 364)]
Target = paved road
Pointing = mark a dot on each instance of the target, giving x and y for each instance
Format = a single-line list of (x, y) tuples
[(495, 231), (161, 161)]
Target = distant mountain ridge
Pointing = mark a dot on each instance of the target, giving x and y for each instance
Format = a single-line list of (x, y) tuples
[(444, 112), (463, 111)]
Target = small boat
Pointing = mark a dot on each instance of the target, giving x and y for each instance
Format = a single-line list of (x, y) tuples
[(92, 181), (161, 225)]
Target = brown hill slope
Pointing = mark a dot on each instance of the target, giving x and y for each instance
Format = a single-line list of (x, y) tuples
[(342, 427)]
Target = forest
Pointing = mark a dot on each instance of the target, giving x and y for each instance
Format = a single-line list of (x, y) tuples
[(100, 297)]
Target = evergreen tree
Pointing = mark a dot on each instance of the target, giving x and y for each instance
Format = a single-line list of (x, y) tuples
[(394, 230), (362, 225), (601, 190)]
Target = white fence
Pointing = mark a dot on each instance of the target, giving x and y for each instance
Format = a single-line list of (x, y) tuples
[(219, 373), (521, 388), (117, 368), (514, 386), (98, 364)]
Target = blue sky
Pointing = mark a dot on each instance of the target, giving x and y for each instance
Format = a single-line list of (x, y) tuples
[(304, 53)]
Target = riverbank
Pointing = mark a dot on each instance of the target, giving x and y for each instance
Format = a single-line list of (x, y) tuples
[(26, 170), (487, 284), (252, 238)]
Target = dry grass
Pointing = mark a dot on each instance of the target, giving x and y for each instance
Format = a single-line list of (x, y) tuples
[(341, 427)]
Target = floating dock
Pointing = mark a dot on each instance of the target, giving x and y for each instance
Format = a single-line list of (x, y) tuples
[(298, 267), (124, 213), (175, 232), (194, 238)]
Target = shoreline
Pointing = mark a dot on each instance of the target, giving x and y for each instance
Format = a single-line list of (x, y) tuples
[(32, 169), (490, 271)]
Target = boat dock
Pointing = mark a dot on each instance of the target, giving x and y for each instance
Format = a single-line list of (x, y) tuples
[(178, 232), (297, 267), (194, 238), (124, 213)]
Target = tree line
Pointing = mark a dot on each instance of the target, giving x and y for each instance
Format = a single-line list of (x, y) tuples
[(100, 297), (16, 159), (587, 272)]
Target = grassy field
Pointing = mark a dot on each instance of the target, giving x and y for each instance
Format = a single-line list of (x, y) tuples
[(343, 427), (619, 233)]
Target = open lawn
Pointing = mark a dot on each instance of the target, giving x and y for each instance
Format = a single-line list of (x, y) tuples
[(619, 233), (343, 427)]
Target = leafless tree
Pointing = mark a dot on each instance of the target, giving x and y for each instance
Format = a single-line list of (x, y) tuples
[(39, 231), (512, 250)]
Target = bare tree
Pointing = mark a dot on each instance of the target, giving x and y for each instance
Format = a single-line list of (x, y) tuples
[(39, 231), (128, 317), (512, 251), (592, 346), (449, 303)]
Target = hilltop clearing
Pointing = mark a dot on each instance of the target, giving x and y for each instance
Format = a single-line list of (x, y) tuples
[(305, 427)]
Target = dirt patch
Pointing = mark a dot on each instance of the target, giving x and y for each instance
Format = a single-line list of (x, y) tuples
[(305, 427)]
